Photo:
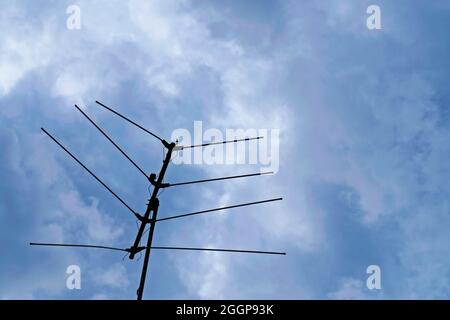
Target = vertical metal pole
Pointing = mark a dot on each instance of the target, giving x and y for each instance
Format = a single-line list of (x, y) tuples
[(153, 196), (152, 206), (140, 290)]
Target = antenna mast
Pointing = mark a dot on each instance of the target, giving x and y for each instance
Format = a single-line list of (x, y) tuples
[(153, 202)]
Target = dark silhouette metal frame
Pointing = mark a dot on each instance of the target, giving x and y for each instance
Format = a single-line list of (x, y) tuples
[(150, 217)]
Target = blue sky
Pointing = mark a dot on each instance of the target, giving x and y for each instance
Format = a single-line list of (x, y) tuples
[(364, 125)]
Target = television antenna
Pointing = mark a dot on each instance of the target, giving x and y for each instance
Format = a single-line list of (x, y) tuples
[(150, 217)]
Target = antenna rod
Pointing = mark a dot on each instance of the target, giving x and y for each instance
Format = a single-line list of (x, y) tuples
[(129, 120), (220, 142), (75, 245), (217, 209), (155, 248), (85, 168), (220, 250), (110, 140), (217, 179)]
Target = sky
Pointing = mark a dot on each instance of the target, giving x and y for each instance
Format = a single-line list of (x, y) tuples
[(363, 121)]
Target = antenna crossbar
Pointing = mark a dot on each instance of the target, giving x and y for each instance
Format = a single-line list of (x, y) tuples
[(217, 179), (87, 169), (155, 248), (218, 209), (219, 142), (110, 140), (129, 120)]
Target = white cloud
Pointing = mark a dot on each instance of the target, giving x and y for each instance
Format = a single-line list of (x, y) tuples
[(21, 51), (351, 289), (115, 276), (100, 296), (99, 226), (211, 278)]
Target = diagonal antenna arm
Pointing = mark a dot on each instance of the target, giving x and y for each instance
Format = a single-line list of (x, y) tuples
[(110, 140), (217, 179), (218, 209), (92, 174), (129, 120)]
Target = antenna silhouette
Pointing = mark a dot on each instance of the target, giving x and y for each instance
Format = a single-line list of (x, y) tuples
[(151, 213)]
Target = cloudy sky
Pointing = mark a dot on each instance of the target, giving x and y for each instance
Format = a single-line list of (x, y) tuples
[(363, 119)]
